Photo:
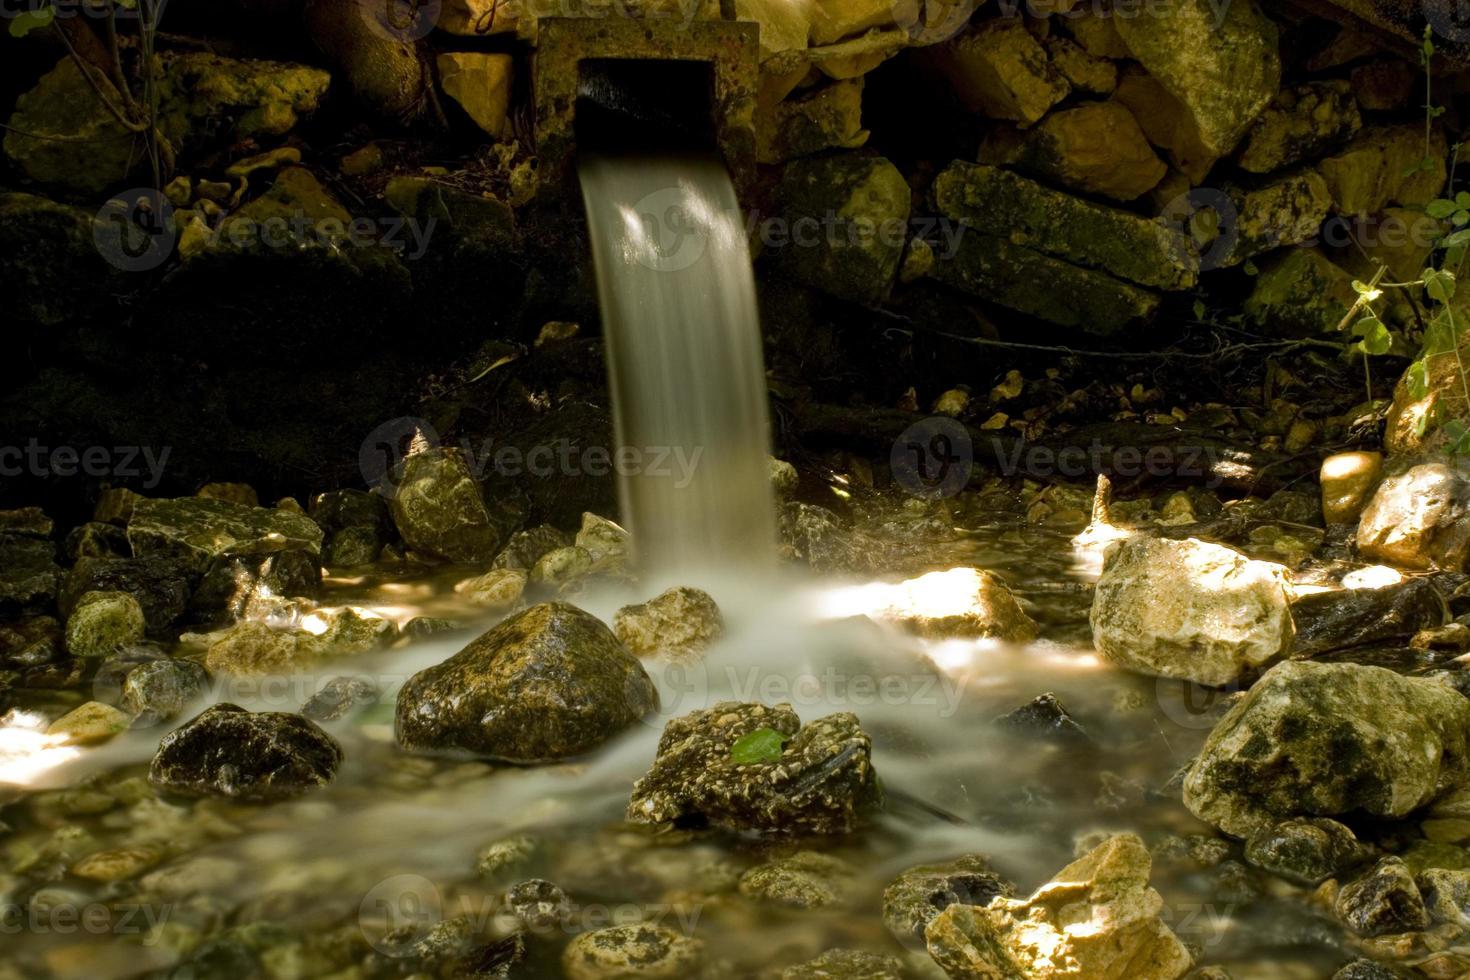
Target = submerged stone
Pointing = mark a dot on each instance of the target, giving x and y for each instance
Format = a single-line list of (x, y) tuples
[(230, 752), (636, 952), (1385, 900), (549, 683), (339, 697), (1306, 851), (1327, 739), (917, 896), (805, 880), (820, 780), (847, 964), (679, 623), (197, 530)]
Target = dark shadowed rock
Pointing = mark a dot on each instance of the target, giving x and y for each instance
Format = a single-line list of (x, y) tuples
[(160, 690), (161, 584), (29, 575), (1385, 900), (356, 525), (819, 782), (1339, 620), (30, 642), (228, 751), (339, 697), (1306, 851), (1043, 717), (915, 898), (527, 547), (236, 585), (550, 683)]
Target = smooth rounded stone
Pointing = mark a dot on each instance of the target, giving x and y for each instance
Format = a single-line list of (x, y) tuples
[(679, 623), (1348, 481), (561, 566), (1043, 717), (607, 543), (1446, 895), (1307, 851), (638, 952), (1191, 610), (917, 896), (119, 864), (160, 690), (805, 880), (539, 904), (91, 723), (1346, 618), (847, 964), (525, 548), (784, 478), (1420, 517), (821, 783), (549, 683), (103, 623), (1321, 739), (230, 752), (203, 874), (957, 603), (438, 508), (339, 697), (1385, 900), (1038, 938), (197, 531), (497, 589), (31, 642), (162, 585)]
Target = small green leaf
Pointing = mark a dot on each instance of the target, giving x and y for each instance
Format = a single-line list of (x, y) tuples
[(1199, 309), (761, 745), (1439, 284), (1250, 268), (32, 20), (1459, 435), (1441, 208), (1460, 217), (1463, 199), (1374, 336), (1455, 238), (1418, 379)]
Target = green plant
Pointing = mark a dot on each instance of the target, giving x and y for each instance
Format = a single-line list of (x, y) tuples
[(761, 745)]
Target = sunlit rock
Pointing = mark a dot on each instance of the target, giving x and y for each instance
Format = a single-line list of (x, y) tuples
[(1420, 517), (92, 722), (230, 752), (1415, 424), (499, 588), (654, 952), (1348, 481), (1098, 919), (960, 602), (1096, 148), (196, 531), (917, 896), (1307, 851), (254, 649), (550, 683), (1385, 900), (999, 69), (817, 778), (480, 83), (1191, 610), (607, 543), (1326, 739), (1299, 124), (1381, 166), (679, 624), (1223, 64), (438, 508), (103, 623), (250, 586)]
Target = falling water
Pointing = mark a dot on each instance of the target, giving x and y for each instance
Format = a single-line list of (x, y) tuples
[(684, 360)]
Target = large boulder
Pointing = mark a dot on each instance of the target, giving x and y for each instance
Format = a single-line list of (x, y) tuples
[(439, 510), (1420, 517), (197, 531), (849, 222), (1098, 919), (1317, 740), (550, 683), (230, 752), (1223, 64), (749, 767), (1190, 609)]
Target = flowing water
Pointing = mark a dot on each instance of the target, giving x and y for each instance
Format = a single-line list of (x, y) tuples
[(684, 359)]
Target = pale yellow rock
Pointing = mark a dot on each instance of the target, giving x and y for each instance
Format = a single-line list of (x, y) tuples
[(678, 624), (1166, 123), (833, 20), (1098, 148), (1380, 167), (117, 865), (1001, 70), (858, 56), (829, 118), (480, 83), (91, 723), (1348, 481), (951, 403), (498, 589)]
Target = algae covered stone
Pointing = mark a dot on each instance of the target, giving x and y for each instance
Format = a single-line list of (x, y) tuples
[(917, 896), (549, 683), (230, 752), (1308, 850), (103, 623), (1318, 740), (820, 779), (804, 880), (635, 952), (439, 510), (197, 530)]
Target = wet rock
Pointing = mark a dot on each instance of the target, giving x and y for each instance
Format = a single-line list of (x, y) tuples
[(481, 84), (679, 623), (496, 589), (632, 953), (847, 964), (784, 478), (1299, 124), (29, 575), (1300, 294), (252, 648), (53, 267), (862, 206), (805, 880), (540, 905), (917, 896), (1044, 717), (512, 855), (1420, 517), (160, 690), (1307, 851), (161, 584), (355, 524), (561, 566), (820, 783), (1348, 481), (1385, 900), (606, 542), (196, 531), (1191, 610), (1001, 71), (1329, 621), (827, 118), (1070, 228), (230, 752), (1224, 66), (1325, 739), (91, 723), (1446, 895), (339, 697), (525, 548), (1039, 937), (438, 509), (1096, 148), (1369, 970), (549, 683), (30, 642), (1381, 167), (1286, 212), (244, 586), (95, 540), (103, 623)]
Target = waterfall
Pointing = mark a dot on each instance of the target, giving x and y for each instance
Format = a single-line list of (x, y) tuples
[(685, 363)]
